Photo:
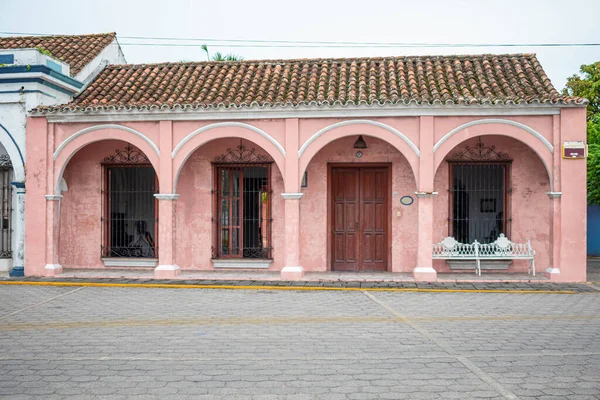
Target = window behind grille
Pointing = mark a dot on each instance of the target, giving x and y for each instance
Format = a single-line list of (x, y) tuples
[(6, 213), (130, 212), (243, 211), (479, 201)]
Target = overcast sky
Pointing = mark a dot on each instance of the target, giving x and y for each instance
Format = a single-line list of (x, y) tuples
[(417, 21)]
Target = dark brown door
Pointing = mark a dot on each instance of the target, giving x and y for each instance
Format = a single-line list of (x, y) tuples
[(359, 219)]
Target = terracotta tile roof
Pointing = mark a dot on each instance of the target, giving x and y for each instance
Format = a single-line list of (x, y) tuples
[(75, 50), (473, 79)]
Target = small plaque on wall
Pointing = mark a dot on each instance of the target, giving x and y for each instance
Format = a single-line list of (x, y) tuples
[(574, 150)]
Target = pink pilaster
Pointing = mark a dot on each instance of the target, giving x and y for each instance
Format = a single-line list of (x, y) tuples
[(35, 212), (572, 206), (292, 269), (167, 268), (555, 204), (424, 269), (53, 266)]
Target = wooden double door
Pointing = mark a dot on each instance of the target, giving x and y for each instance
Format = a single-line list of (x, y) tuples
[(359, 220)]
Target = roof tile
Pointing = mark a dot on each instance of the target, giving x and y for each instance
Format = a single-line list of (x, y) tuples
[(471, 79), (75, 50)]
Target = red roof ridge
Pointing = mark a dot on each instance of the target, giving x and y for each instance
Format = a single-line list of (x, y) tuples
[(320, 60)]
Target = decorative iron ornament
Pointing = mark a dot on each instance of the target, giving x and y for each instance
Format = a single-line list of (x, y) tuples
[(131, 155), (241, 154), (263, 253), (5, 161), (480, 152)]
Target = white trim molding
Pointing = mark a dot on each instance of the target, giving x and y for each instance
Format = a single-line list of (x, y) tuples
[(169, 196), (54, 197), (129, 262), (425, 195), (535, 133), (53, 267), (228, 124), (428, 270), (241, 263), (314, 111), (167, 267), (359, 122), (553, 271), (292, 196), (554, 195), (89, 129)]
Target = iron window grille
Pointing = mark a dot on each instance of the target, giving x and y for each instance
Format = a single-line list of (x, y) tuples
[(479, 194), (6, 173), (130, 220), (242, 205)]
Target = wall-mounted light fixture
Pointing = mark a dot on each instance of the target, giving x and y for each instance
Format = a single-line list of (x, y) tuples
[(304, 182), (360, 143)]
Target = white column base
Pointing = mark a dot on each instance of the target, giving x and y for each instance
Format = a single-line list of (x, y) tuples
[(424, 274), (53, 269), (292, 273), (166, 271), (552, 273)]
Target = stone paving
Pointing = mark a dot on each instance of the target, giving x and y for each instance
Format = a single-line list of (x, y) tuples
[(137, 343)]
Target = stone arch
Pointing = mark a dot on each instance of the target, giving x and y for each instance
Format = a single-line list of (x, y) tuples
[(500, 127), (68, 148), (367, 128), (14, 152), (222, 130)]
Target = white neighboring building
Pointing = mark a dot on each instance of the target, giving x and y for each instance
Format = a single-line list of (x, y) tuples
[(34, 71)]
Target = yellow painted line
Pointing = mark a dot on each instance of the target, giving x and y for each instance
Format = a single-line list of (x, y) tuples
[(270, 321), (282, 288)]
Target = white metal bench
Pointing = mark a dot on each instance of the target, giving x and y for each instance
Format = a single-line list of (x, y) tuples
[(500, 249)]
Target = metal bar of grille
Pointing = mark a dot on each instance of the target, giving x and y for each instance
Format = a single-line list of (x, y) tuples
[(243, 211), (479, 201), (130, 219), (6, 213)]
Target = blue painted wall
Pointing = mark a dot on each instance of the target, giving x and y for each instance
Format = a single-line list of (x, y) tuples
[(593, 230)]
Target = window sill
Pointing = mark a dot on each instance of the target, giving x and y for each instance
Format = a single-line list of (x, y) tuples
[(234, 263), (130, 262)]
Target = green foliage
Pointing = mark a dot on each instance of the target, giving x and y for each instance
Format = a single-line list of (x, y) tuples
[(218, 56), (27, 67), (43, 51), (593, 130), (588, 86), (593, 174)]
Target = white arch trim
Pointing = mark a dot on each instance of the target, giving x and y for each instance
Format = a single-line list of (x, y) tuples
[(495, 121), (228, 124), (14, 152), (105, 126), (356, 122)]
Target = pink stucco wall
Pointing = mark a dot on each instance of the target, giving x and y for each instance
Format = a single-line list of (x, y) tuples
[(313, 207), (194, 209), (530, 204), (416, 147)]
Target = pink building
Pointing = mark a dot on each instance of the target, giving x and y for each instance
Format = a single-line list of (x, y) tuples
[(308, 165)]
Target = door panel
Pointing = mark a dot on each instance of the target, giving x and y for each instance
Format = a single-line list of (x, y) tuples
[(359, 220)]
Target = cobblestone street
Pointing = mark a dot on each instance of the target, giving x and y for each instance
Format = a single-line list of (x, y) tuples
[(129, 343)]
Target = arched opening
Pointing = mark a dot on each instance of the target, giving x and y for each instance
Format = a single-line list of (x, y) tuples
[(109, 215), (8, 203), (353, 128), (490, 185), (206, 134), (230, 209), (352, 216)]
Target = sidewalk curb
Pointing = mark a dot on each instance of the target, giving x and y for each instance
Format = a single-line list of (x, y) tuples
[(283, 288)]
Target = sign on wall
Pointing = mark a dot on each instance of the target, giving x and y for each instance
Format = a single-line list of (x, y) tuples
[(574, 149)]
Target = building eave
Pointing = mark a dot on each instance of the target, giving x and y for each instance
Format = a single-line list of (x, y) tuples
[(303, 112)]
